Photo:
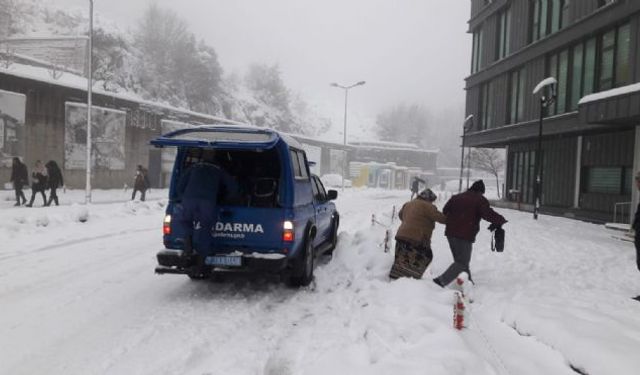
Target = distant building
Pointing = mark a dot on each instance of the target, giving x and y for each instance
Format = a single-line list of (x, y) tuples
[(402, 154), (42, 118), (590, 142)]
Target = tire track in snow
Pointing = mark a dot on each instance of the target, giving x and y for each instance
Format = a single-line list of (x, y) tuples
[(77, 242)]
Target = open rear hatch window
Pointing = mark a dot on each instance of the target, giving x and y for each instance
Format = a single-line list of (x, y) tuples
[(218, 137)]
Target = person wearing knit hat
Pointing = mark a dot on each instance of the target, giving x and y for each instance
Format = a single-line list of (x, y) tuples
[(478, 187), (464, 212), (413, 239), (636, 228)]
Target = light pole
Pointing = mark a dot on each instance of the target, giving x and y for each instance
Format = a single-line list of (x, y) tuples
[(346, 97), (467, 125), (545, 102), (87, 196)]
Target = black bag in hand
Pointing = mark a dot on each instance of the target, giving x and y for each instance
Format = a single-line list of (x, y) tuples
[(497, 241)]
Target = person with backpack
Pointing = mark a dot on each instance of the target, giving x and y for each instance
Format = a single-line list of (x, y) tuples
[(55, 181), (413, 239), (38, 183), (464, 212), (140, 183), (20, 179)]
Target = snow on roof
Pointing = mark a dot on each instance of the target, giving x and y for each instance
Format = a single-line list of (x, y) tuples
[(385, 143), (77, 82), (44, 36), (390, 146), (611, 93)]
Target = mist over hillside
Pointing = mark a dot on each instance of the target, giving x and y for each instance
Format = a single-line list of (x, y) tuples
[(160, 59)]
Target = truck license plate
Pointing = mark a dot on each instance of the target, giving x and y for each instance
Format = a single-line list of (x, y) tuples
[(223, 260)]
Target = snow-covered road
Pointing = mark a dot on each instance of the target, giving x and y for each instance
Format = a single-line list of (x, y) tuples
[(81, 298)]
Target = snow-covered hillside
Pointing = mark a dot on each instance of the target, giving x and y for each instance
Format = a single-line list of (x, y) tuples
[(81, 298)]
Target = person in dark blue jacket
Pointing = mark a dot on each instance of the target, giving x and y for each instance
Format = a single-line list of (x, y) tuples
[(198, 188)]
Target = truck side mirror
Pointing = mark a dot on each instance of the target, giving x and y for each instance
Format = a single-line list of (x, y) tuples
[(332, 194)]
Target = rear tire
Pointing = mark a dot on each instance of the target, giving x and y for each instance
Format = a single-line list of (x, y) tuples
[(304, 269)]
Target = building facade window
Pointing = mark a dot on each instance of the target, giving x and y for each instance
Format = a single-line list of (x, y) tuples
[(547, 17), (589, 67), (596, 64), (487, 103), (515, 101), (564, 13), (577, 71), (623, 72), (607, 180), (558, 67), (504, 33), (613, 62), (476, 56), (608, 43), (522, 167)]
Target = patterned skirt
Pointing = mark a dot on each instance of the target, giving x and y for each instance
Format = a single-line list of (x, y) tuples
[(410, 261)]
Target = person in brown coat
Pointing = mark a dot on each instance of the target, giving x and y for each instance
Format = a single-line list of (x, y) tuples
[(464, 212), (413, 239)]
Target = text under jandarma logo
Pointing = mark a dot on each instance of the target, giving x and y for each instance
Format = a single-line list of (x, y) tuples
[(238, 227)]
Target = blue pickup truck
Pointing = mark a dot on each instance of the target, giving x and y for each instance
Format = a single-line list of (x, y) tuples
[(279, 219)]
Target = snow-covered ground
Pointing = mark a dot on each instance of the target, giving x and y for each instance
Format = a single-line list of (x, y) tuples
[(81, 298)]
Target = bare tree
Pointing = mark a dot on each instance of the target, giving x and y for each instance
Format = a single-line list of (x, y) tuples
[(489, 160)]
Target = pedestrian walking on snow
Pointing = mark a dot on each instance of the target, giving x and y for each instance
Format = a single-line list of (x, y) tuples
[(464, 212), (38, 183), (55, 181), (20, 179), (413, 239), (140, 183), (636, 228), (415, 186)]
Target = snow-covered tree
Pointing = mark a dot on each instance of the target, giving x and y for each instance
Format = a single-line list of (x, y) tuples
[(173, 66), (404, 123), (266, 84)]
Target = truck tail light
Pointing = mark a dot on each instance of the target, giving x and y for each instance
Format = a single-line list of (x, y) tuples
[(287, 234), (166, 225)]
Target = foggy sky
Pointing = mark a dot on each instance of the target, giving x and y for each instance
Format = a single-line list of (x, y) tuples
[(414, 51)]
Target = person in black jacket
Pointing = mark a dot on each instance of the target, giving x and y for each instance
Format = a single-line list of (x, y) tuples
[(55, 181), (20, 179), (636, 228), (140, 183), (464, 212), (39, 183)]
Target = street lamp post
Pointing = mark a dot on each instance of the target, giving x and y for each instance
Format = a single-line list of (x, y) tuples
[(87, 197), (545, 102), (346, 98), (468, 124)]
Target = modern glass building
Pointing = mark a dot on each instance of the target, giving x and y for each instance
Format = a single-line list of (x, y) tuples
[(590, 140)]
